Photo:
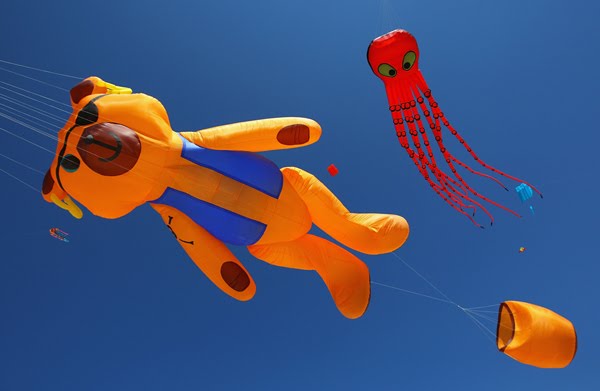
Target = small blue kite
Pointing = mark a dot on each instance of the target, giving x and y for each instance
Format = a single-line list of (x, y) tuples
[(524, 191)]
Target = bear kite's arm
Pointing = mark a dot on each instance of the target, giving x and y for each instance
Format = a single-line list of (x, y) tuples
[(257, 136), (209, 254)]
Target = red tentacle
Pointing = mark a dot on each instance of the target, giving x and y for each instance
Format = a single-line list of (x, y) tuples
[(437, 131), (477, 172), (456, 193), (402, 138), (423, 87), (417, 117), (470, 199), (438, 137), (408, 107), (428, 116)]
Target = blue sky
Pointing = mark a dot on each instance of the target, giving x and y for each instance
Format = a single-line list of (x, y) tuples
[(121, 307)]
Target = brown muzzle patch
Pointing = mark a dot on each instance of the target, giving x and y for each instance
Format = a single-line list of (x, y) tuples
[(109, 149)]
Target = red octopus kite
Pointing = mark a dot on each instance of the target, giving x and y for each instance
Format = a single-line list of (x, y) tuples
[(394, 58)]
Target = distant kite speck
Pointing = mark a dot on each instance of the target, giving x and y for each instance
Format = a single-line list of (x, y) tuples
[(333, 171)]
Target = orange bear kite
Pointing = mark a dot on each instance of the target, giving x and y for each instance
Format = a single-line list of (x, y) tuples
[(118, 151)]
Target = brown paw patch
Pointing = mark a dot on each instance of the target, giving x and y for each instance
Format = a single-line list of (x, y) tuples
[(293, 134), (235, 276)]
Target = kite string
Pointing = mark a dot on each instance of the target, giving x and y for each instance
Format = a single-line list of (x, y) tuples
[(36, 100), (469, 312), (494, 321), (26, 140), (481, 311), (483, 306), (33, 78), (33, 108), (426, 280), (387, 19), (23, 182), (33, 93), (486, 331), (41, 70), (17, 121), (28, 117), (486, 317), (21, 164), (411, 292)]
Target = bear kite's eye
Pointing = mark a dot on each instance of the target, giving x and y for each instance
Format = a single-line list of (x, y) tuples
[(70, 163)]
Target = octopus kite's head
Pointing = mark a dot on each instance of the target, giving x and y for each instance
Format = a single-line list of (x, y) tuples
[(394, 55), (108, 153)]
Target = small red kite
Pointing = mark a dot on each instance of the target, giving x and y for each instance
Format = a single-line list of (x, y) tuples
[(333, 171)]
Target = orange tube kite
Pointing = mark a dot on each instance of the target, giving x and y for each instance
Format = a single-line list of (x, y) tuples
[(118, 151), (535, 335)]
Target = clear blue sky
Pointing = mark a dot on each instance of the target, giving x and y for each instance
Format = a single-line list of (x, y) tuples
[(121, 307)]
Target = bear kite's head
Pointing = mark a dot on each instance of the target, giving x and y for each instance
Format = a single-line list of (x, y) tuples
[(110, 152)]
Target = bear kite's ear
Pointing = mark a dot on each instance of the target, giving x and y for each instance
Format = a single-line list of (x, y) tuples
[(82, 90), (95, 85)]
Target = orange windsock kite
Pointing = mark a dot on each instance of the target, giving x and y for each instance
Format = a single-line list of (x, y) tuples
[(535, 335)]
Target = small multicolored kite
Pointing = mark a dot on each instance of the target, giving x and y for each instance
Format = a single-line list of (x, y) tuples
[(59, 234)]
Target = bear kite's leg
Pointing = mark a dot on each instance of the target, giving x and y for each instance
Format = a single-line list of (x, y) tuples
[(346, 276), (209, 254), (369, 233)]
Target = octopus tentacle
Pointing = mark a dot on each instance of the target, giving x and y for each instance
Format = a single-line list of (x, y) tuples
[(469, 198), (437, 131), (443, 181), (423, 170), (409, 104), (423, 87), (400, 128), (438, 137), (436, 117), (455, 160), (411, 116), (419, 99)]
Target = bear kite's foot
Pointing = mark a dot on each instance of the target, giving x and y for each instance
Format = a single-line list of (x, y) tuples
[(209, 254), (346, 276), (369, 233)]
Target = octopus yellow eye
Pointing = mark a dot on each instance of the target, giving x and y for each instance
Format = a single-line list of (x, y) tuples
[(387, 70), (409, 60)]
